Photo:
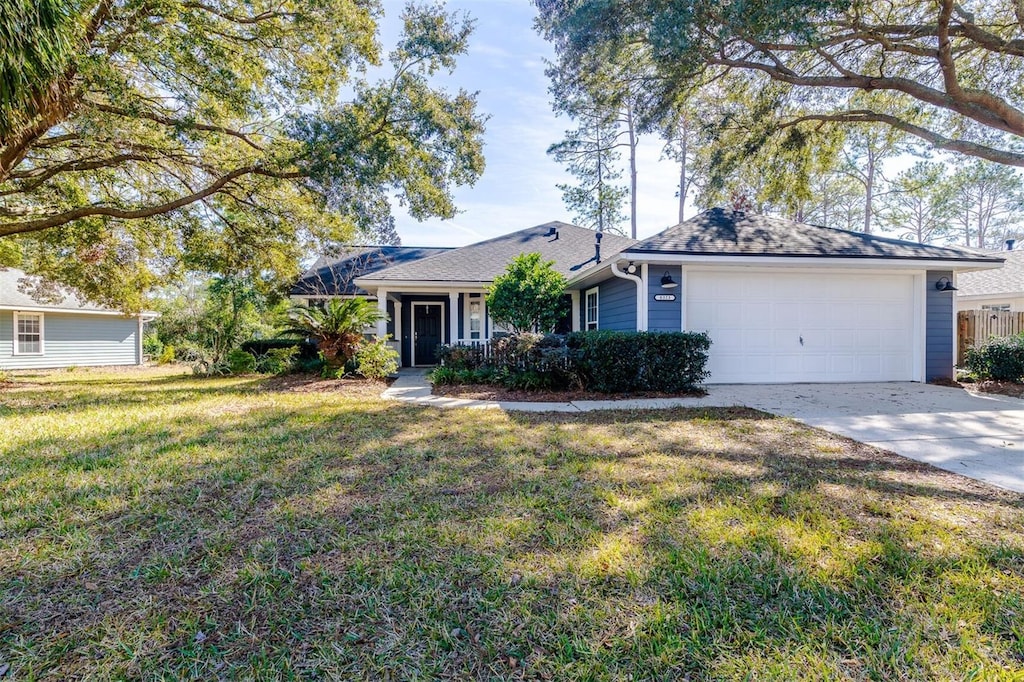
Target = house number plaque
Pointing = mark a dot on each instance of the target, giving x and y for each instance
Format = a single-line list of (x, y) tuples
[(664, 297)]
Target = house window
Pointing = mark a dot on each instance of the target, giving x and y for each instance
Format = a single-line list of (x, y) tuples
[(997, 308), (591, 309), (475, 317), (28, 333)]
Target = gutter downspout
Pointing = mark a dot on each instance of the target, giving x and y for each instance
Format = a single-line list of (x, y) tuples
[(641, 298)]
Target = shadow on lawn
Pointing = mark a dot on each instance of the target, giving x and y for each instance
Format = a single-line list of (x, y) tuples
[(373, 539)]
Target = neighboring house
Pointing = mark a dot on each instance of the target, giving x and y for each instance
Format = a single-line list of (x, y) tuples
[(60, 329), (995, 290), (782, 301)]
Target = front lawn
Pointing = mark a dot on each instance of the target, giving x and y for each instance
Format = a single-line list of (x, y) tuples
[(157, 526)]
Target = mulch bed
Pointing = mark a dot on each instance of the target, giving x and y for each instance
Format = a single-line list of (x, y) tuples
[(497, 393), (312, 383), (1010, 388)]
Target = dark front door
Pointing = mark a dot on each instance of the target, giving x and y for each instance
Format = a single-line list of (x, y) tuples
[(426, 326)]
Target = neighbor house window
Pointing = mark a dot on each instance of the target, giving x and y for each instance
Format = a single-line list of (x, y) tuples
[(591, 308), (28, 333), (997, 308)]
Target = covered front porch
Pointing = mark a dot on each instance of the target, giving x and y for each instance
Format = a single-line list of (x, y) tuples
[(422, 319)]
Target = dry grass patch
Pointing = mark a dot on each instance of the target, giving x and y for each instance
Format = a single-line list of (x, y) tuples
[(158, 526)]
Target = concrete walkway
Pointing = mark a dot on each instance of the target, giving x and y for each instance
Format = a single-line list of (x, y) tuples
[(978, 436)]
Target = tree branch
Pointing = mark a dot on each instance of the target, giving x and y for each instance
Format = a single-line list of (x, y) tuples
[(7, 229)]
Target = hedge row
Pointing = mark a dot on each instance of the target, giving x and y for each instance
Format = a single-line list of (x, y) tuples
[(604, 361), (257, 347)]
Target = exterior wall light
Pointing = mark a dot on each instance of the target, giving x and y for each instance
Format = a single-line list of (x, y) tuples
[(667, 282), (944, 284)]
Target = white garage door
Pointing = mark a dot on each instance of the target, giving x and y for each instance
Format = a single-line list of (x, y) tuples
[(770, 327)]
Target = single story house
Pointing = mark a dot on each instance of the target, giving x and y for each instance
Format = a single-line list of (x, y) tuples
[(61, 329), (782, 301), (999, 290)]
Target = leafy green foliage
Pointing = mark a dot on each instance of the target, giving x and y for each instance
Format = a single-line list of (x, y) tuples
[(618, 362), (224, 136), (240, 362), (152, 346), (167, 355), (944, 73), (527, 297), (602, 361), (337, 327), (377, 360), (998, 359)]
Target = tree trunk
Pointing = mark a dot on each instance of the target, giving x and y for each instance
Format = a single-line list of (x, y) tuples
[(684, 139), (632, 170), (869, 190)]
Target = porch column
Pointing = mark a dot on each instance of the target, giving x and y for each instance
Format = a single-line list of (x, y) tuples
[(382, 306), (398, 323), (575, 310), (453, 316)]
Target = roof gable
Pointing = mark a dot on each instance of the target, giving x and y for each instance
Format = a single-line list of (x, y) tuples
[(722, 232), (336, 276), (570, 247)]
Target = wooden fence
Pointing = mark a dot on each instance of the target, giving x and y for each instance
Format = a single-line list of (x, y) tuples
[(975, 327)]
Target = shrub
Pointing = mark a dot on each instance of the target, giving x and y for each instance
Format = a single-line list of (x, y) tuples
[(998, 359), (619, 362), (528, 295), (152, 346), (167, 355), (276, 360), (306, 350), (377, 360), (240, 362), (605, 361)]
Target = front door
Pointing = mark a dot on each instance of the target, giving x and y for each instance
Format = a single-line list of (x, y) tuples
[(426, 325)]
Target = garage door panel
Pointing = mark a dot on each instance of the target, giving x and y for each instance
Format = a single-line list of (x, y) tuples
[(855, 327)]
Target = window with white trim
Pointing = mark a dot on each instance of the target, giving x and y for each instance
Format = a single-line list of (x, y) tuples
[(28, 333), (590, 299), (475, 316), (997, 307)]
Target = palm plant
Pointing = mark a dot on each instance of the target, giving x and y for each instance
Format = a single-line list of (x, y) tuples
[(337, 327)]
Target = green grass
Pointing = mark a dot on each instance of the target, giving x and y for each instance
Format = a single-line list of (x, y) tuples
[(158, 526)]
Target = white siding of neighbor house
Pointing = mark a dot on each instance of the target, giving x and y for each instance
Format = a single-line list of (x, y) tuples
[(71, 339), (1016, 302)]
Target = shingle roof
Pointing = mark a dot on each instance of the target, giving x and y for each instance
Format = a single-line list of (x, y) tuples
[(335, 276), (1008, 279), (18, 289), (572, 251), (724, 232)]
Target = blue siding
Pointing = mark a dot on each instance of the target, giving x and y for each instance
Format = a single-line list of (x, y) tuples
[(664, 316), (616, 305), (940, 321), (71, 339)]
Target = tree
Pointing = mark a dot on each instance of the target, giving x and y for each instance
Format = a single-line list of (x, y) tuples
[(528, 297), (185, 122), (679, 131), (987, 202), (941, 72), (338, 327), (918, 204), (866, 148)]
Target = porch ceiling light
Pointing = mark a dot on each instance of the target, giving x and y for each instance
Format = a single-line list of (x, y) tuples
[(944, 284), (667, 282), (631, 268)]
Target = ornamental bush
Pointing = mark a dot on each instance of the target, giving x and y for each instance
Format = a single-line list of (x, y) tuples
[(377, 360), (240, 362), (998, 359), (622, 362), (603, 361)]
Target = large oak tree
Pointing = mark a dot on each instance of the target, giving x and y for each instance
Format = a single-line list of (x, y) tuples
[(220, 134), (946, 72)]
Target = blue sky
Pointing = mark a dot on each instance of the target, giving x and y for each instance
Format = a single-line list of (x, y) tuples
[(518, 188)]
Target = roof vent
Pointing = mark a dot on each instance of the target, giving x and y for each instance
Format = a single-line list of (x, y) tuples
[(1010, 243), (552, 232), (597, 246)]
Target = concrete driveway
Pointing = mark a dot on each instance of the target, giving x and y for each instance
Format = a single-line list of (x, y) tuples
[(977, 436)]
